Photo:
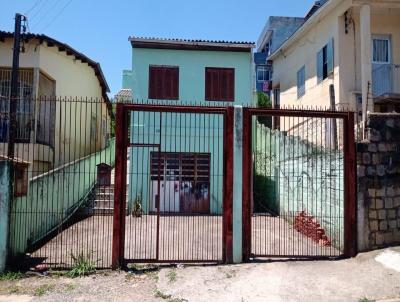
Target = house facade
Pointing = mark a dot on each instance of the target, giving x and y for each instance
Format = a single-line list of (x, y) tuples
[(53, 80), (345, 55), (179, 72)]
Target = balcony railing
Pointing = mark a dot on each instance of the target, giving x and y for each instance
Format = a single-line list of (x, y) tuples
[(385, 79)]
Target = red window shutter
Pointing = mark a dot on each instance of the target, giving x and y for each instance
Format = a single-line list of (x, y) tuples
[(220, 84), (163, 82)]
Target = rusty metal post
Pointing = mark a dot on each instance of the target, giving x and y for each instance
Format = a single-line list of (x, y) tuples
[(350, 207), (227, 244), (119, 188), (247, 185)]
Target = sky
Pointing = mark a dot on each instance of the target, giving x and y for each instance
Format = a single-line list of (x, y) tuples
[(100, 29)]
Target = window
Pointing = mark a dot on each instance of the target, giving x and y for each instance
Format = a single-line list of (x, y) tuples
[(262, 74), (325, 61), (164, 82), (381, 49), (220, 84), (301, 82)]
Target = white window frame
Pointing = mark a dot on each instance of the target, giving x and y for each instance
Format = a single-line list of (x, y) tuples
[(385, 38), (264, 70)]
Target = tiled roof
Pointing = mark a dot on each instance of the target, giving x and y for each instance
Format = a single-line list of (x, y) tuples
[(152, 42), (124, 94), (69, 51)]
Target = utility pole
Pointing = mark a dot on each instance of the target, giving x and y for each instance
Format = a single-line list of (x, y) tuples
[(14, 86)]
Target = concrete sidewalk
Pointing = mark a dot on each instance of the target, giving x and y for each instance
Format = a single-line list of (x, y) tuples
[(320, 281)]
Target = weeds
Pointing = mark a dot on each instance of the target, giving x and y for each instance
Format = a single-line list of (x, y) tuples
[(160, 294), (365, 300), (82, 266), (13, 289), (9, 276), (70, 287), (172, 276), (43, 289)]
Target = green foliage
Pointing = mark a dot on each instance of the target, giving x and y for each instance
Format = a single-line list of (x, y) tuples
[(365, 300), (8, 276), (172, 276), (160, 294), (263, 100), (264, 194), (42, 289), (137, 207), (82, 266)]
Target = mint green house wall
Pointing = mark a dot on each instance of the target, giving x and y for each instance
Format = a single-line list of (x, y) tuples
[(194, 133)]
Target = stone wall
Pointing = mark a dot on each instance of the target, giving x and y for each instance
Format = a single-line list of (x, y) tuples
[(378, 169)]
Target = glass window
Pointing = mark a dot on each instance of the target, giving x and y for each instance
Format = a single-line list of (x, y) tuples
[(301, 82), (263, 74), (381, 50)]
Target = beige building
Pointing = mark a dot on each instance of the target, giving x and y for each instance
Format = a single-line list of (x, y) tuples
[(351, 47), (54, 125)]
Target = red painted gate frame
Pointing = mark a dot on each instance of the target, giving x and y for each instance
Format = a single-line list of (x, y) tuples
[(350, 218), (122, 143)]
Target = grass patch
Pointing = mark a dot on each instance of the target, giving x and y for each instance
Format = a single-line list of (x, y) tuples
[(9, 276), (43, 289), (365, 300), (168, 298), (70, 287), (83, 266), (172, 275), (14, 289)]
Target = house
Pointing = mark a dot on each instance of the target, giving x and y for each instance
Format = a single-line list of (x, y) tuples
[(175, 71), (54, 78), (275, 32), (345, 55)]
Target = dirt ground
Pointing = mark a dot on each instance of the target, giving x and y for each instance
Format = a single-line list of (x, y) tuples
[(180, 238), (372, 276)]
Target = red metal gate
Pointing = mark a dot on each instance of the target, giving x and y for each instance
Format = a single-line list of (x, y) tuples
[(179, 170), (299, 184)]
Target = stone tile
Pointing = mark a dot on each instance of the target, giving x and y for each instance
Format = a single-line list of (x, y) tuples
[(382, 214), (389, 203), (383, 226)]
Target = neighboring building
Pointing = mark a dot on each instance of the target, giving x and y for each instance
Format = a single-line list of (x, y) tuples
[(183, 72), (275, 32), (46, 133), (348, 45)]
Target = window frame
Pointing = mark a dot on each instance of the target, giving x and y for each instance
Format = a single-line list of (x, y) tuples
[(301, 86), (153, 94), (228, 96), (265, 71), (389, 48), (325, 61)]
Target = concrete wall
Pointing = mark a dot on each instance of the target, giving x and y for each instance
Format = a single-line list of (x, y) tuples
[(304, 177), (4, 212), (378, 170), (52, 198)]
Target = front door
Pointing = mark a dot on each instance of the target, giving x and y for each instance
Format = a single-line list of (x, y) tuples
[(381, 65)]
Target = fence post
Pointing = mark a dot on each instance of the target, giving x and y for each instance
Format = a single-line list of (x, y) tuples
[(247, 185), (118, 242), (227, 252), (350, 209), (5, 199)]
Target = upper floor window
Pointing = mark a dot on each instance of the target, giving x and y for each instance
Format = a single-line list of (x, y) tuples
[(301, 82), (164, 82), (325, 62), (263, 73), (220, 84), (381, 49)]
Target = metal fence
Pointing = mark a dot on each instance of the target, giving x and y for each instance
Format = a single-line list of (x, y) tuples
[(301, 168), (57, 210)]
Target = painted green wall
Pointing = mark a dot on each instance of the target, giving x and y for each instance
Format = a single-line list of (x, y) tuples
[(301, 176), (4, 211), (52, 197), (182, 132), (192, 64)]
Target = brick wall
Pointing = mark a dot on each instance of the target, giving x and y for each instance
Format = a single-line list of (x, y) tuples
[(378, 169)]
